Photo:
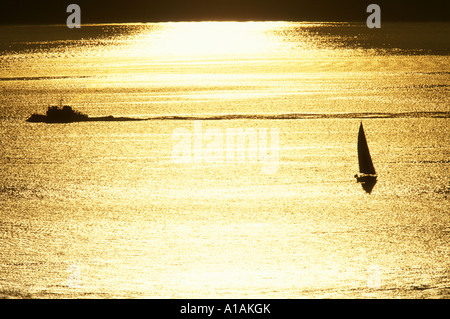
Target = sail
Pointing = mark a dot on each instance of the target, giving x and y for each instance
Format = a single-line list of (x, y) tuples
[(365, 161)]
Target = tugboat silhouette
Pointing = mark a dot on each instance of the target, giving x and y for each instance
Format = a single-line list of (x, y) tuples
[(65, 114)]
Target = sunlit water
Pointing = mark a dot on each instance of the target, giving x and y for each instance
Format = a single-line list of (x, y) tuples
[(103, 210)]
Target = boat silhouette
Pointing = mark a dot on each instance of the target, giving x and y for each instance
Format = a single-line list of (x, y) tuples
[(367, 175), (65, 114), (55, 114)]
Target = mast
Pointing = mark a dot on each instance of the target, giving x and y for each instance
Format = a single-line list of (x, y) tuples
[(365, 161)]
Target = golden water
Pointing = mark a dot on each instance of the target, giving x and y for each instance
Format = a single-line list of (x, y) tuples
[(101, 209)]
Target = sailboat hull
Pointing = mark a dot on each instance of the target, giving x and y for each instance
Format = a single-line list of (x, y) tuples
[(365, 178)]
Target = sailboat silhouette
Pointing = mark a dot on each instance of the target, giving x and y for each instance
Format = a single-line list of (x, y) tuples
[(367, 175)]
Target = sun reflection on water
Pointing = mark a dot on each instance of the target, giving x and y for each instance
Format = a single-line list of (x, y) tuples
[(207, 39)]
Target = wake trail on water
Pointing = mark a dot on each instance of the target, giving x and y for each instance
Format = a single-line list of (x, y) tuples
[(293, 116)]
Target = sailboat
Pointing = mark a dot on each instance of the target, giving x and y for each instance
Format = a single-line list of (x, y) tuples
[(367, 175)]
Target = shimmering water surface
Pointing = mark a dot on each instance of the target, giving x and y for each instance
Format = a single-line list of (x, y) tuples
[(102, 209)]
